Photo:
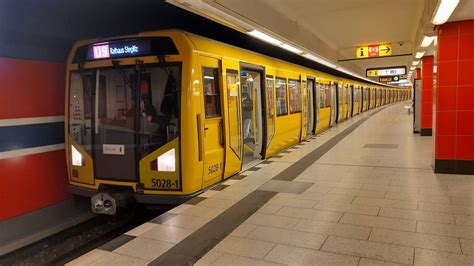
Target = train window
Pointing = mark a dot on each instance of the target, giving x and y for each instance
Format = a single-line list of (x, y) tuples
[(232, 81), (270, 108), (295, 95), (322, 95), (328, 96), (210, 83), (281, 97)]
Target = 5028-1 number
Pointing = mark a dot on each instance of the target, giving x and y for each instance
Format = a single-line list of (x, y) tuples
[(163, 183)]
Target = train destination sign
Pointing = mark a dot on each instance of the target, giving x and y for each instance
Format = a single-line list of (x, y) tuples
[(389, 71), (375, 50), (131, 47)]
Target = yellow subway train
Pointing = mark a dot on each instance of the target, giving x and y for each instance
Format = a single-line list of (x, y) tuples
[(160, 116)]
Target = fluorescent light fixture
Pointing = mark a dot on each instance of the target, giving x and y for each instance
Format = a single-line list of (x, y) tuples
[(419, 54), (291, 48), (415, 63), (264, 37), (427, 40), (444, 11), (167, 161), (412, 68), (319, 60)]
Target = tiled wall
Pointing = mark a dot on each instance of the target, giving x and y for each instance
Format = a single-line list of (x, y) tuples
[(427, 93), (32, 162), (455, 92)]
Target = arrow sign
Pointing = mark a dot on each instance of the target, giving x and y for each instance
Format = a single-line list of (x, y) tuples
[(385, 49)]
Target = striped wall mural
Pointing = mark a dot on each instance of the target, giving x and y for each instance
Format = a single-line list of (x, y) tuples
[(32, 162)]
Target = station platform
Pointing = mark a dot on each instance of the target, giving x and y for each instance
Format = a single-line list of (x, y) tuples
[(361, 193)]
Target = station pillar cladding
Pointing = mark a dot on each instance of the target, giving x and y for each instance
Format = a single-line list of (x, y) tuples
[(427, 96), (454, 129)]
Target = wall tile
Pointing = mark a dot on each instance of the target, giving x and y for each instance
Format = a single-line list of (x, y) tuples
[(465, 98), (465, 123), (464, 148), (446, 98), (446, 123), (448, 29), (447, 73), (466, 47), (445, 148), (466, 72), (448, 48)]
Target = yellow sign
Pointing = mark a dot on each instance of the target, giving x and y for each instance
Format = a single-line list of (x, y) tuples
[(375, 50)]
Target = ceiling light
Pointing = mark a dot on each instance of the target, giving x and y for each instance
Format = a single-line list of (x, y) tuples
[(427, 41), (444, 11), (291, 48), (319, 60), (264, 37), (412, 68), (419, 54), (415, 63)]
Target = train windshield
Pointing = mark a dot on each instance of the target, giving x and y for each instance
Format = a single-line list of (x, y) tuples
[(127, 111)]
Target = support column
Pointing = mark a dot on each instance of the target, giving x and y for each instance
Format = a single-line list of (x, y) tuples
[(454, 129), (426, 96)]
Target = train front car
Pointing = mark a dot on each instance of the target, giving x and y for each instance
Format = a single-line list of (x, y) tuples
[(125, 100)]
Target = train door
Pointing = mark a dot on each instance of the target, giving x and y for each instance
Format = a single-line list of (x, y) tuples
[(334, 104), (352, 100), (213, 143), (310, 100), (349, 91), (251, 85), (234, 149)]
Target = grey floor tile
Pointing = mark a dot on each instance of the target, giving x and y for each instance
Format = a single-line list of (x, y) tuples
[(350, 208), (167, 233), (417, 215), (380, 222), (312, 214), (432, 257), (445, 229), (116, 242), (143, 248), (400, 204), (369, 249), (292, 202), (229, 259), (243, 230), (285, 186), (300, 256), (333, 229), (370, 262), (410, 239), (467, 246), (272, 220), (187, 221), (244, 247), (288, 237)]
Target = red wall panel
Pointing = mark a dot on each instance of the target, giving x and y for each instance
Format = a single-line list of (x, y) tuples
[(427, 92), (28, 183), (31, 88)]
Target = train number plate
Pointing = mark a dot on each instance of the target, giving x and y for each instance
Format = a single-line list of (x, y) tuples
[(113, 149)]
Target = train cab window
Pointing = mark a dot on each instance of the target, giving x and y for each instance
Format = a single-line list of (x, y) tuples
[(295, 95), (281, 97), (210, 83)]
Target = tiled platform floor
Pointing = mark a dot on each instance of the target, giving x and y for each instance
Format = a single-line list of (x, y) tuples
[(371, 199)]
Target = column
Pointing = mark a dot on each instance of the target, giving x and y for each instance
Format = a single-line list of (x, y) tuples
[(426, 96), (454, 128)]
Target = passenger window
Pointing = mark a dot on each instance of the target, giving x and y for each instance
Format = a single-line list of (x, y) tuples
[(210, 83), (328, 96), (295, 95), (281, 97), (270, 108), (322, 96), (233, 105)]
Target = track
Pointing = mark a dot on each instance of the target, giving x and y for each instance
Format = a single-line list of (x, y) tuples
[(71, 243)]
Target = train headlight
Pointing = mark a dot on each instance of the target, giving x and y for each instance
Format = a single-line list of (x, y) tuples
[(167, 161), (76, 157)]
